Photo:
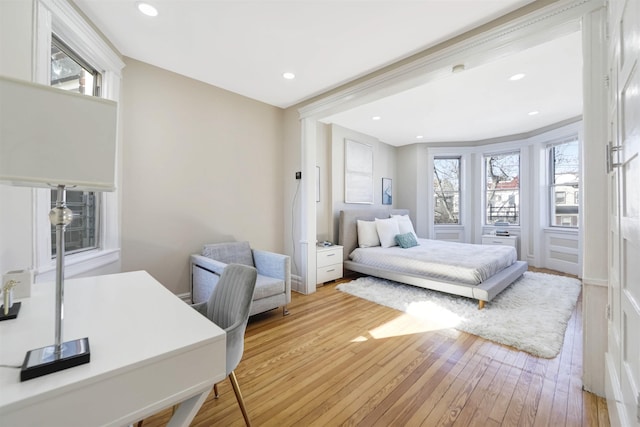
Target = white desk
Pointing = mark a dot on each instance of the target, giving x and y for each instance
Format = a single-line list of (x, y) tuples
[(149, 351)]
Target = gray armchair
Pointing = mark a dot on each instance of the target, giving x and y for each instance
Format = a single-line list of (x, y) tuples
[(273, 285)]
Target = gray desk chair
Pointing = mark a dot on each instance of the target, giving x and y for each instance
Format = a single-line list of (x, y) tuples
[(228, 307)]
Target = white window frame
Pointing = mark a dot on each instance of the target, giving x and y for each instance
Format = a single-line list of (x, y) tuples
[(550, 184), (60, 18), (463, 229), (460, 186), (483, 168)]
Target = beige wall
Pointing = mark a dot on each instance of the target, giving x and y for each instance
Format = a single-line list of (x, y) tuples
[(200, 165)]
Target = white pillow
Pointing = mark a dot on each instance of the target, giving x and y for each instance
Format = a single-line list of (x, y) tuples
[(387, 231), (367, 234), (405, 225)]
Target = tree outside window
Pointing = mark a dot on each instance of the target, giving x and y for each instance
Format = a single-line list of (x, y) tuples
[(502, 188), (446, 190)]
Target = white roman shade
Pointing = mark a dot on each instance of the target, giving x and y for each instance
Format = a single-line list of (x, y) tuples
[(51, 137)]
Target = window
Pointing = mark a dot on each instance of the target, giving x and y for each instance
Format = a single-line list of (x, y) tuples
[(70, 72), (446, 190), (502, 188), (68, 53), (564, 180)]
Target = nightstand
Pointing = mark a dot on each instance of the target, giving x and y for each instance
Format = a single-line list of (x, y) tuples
[(490, 239), (328, 263)]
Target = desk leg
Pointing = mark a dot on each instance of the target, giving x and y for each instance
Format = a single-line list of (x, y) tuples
[(187, 410)]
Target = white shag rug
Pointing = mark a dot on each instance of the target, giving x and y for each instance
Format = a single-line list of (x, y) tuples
[(530, 315)]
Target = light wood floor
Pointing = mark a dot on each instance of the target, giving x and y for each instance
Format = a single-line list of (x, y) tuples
[(340, 360)]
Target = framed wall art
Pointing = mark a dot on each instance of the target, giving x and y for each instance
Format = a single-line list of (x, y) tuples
[(387, 191), (358, 173)]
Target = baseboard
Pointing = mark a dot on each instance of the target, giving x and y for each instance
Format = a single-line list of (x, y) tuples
[(296, 283), (595, 282)]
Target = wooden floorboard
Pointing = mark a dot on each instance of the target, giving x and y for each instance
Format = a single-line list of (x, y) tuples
[(338, 360)]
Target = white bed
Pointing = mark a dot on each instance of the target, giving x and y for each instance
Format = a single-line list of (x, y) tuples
[(481, 273)]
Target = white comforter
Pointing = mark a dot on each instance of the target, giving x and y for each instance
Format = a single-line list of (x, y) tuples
[(458, 262)]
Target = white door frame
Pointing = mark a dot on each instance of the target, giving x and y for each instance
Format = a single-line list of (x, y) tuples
[(550, 22)]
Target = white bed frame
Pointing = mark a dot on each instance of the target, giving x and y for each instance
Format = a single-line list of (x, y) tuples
[(484, 292)]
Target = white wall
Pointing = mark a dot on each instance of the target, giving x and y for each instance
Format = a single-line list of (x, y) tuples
[(411, 190), (200, 165)]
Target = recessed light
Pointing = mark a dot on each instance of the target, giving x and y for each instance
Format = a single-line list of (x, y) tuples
[(419, 137), (533, 113), (289, 76), (516, 77), (376, 118), (458, 68), (147, 9)]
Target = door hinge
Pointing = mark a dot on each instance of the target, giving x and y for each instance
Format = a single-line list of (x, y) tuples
[(638, 413), (607, 80), (608, 312), (611, 152)]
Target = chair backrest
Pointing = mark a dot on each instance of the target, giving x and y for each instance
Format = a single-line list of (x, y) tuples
[(230, 252), (229, 306)]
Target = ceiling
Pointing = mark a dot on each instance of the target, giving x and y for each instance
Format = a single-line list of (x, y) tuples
[(246, 46)]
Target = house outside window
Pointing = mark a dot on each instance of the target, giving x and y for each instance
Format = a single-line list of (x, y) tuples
[(502, 188), (72, 73), (564, 180), (446, 190)]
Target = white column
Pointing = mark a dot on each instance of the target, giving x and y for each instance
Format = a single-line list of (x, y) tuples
[(308, 207)]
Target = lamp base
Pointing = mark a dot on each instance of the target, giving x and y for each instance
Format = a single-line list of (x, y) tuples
[(43, 361), (13, 311)]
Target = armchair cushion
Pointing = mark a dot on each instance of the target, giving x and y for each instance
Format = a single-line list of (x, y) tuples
[(268, 286)]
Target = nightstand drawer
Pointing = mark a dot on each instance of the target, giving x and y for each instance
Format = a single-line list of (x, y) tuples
[(328, 256), (500, 240), (489, 239), (328, 273)]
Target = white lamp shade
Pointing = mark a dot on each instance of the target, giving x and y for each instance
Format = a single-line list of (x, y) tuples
[(51, 137)]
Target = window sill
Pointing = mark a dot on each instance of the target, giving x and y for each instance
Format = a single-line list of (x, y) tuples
[(78, 264)]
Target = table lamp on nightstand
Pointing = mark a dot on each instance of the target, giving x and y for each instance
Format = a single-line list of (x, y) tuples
[(53, 138)]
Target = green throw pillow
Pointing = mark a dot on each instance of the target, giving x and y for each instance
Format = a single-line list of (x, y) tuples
[(406, 240)]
